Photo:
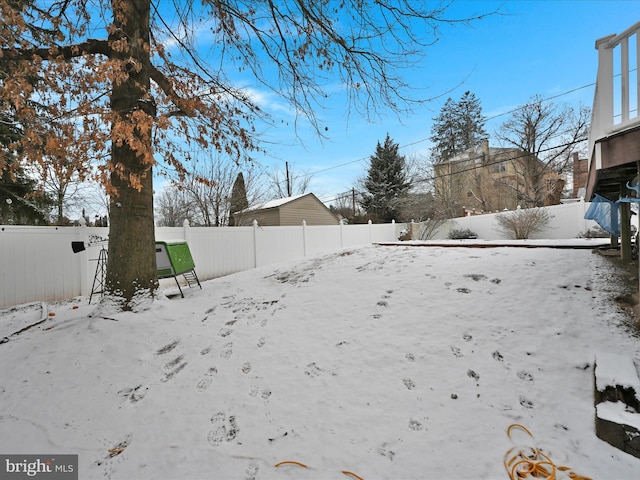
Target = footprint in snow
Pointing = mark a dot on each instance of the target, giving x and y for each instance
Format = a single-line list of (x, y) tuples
[(523, 375), (251, 472), (457, 352), (167, 348), (474, 375), (173, 367), (227, 350), (312, 370), (225, 332), (476, 277), (410, 384), (386, 452), (526, 403), (135, 394), (224, 429), (203, 384), (415, 425)]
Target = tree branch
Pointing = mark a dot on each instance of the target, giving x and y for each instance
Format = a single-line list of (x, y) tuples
[(91, 46), (165, 85)]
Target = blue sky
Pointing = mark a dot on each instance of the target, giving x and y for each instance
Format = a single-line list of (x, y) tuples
[(532, 48)]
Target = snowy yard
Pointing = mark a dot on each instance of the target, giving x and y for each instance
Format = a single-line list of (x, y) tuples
[(387, 362)]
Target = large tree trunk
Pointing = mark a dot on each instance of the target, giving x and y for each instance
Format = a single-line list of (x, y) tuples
[(131, 266)]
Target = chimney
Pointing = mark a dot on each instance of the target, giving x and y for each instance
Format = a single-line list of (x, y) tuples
[(485, 150), (580, 174)]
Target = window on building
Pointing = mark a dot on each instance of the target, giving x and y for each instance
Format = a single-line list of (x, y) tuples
[(499, 167)]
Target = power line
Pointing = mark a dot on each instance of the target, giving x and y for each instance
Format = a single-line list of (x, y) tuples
[(521, 107)]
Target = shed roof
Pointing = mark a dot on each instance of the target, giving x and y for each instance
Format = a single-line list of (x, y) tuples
[(278, 202)]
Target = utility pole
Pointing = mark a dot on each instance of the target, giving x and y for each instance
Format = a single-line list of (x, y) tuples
[(286, 165), (353, 201)]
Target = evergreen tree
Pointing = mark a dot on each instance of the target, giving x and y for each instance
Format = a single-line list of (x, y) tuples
[(458, 127), (238, 198), (443, 132), (20, 202), (386, 182)]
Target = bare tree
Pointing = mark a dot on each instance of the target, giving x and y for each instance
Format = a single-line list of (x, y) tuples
[(546, 135), (173, 207), (288, 182), (139, 100), (346, 205), (204, 195)]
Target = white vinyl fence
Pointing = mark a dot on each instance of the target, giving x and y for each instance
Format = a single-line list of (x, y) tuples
[(38, 264), (567, 221)]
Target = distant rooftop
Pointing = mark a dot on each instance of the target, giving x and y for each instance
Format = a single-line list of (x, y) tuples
[(274, 203)]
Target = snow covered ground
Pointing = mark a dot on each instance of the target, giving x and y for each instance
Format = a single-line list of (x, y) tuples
[(392, 362)]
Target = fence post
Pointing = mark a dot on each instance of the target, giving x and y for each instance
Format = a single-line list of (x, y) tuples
[(186, 231), (304, 238), (86, 272), (255, 243), (370, 223), (341, 223)]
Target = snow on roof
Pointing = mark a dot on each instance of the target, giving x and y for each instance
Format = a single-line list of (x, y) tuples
[(274, 203)]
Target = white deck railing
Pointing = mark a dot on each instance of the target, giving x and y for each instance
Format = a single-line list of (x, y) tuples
[(616, 101)]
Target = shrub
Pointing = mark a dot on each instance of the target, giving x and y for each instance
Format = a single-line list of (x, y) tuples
[(594, 232), (520, 224), (429, 227), (460, 234)]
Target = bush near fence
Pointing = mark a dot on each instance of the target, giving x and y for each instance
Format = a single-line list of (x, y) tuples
[(567, 222), (37, 263)]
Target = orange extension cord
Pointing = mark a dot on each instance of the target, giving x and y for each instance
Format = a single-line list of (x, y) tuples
[(292, 462), (534, 464)]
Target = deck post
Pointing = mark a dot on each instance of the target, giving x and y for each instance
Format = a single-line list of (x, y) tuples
[(625, 231)]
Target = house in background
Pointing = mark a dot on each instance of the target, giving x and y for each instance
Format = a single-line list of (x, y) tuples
[(290, 211), (488, 179)]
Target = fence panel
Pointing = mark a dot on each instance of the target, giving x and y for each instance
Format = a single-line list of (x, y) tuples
[(322, 239), (384, 232), (37, 264), (221, 251), (277, 244)]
